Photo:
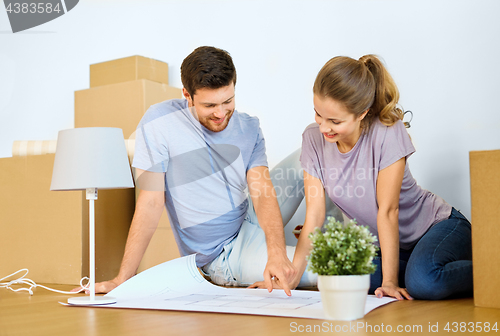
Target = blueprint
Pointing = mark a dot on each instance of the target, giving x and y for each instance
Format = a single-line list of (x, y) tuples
[(178, 285)]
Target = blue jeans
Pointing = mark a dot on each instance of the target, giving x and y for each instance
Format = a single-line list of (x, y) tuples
[(440, 264), (243, 260)]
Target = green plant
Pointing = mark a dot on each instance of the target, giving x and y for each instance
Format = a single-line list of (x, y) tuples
[(342, 249)]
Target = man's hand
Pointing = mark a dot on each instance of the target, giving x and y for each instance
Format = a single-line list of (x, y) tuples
[(101, 287), (276, 283), (279, 272)]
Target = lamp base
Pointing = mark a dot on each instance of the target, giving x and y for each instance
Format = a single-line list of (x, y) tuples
[(85, 300)]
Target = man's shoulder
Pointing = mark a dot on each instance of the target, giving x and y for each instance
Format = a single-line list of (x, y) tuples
[(164, 108), (172, 105), (246, 118), (245, 122)]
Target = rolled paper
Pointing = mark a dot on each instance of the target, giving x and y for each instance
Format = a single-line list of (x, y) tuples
[(130, 146), (33, 147), (41, 147)]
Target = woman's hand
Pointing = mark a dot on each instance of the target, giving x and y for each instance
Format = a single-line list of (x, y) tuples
[(392, 289)]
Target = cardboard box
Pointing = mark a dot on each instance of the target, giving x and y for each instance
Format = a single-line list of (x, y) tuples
[(47, 231), (128, 69), (485, 197), (120, 105)]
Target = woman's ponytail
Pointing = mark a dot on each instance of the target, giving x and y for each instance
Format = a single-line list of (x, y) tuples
[(385, 103)]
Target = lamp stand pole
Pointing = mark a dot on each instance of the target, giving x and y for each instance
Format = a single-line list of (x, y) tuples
[(91, 197), (91, 194)]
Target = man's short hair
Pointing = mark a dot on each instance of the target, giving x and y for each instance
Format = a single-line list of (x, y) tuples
[(207, 67)]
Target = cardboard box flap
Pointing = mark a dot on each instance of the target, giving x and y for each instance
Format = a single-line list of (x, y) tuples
[(128, 69), (120, 105)]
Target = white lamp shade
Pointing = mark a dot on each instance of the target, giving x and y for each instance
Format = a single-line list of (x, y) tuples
[(91, 157)]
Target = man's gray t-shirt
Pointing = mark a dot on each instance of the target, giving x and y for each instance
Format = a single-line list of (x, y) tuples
[(205, 173), (350, 179)]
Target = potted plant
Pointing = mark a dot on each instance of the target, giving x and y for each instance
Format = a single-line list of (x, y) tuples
[(342, 256)]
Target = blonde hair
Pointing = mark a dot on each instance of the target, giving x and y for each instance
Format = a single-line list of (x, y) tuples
[(361, 85)]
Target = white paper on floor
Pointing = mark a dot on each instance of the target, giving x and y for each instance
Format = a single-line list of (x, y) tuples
[(178, 285)]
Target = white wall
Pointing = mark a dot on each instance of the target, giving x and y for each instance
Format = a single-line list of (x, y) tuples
[(442, 54)]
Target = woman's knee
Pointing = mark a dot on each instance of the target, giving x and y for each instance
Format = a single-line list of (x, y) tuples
[(437, 284), (427, 288)]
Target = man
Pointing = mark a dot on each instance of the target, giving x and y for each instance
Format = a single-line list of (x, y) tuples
[(201, 158)]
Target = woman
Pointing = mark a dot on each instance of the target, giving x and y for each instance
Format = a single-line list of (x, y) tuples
[(356, 154)]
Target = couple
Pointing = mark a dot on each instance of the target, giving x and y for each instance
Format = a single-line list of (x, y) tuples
[(206, 162)]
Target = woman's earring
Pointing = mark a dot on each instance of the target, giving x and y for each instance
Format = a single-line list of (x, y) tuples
[(407, 123)]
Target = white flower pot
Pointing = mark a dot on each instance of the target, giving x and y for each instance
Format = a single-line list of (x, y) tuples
[(344, 296)]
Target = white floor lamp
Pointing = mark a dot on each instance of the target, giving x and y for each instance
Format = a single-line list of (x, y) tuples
[(89, 159)]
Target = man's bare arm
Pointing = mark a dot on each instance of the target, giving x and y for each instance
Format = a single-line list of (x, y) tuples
[(148, 210), (263, 195)]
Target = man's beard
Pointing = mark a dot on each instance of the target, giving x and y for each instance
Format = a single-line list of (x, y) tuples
[(211, 126)]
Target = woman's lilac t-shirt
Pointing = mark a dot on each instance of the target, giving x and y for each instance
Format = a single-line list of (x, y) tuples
[(350, 179)]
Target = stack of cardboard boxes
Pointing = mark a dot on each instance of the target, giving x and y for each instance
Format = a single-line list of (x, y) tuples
[(47, 231)]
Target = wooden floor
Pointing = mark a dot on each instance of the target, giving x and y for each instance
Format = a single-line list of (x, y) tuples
[(41, 314)]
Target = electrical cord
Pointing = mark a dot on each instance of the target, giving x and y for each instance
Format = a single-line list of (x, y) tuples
[(22, 280)]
